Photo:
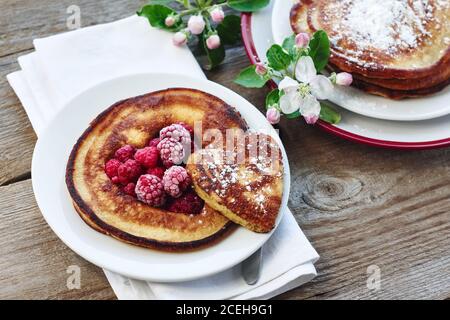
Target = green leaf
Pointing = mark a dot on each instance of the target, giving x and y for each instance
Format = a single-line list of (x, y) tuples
[(248, 5), (329, 114), (289, 45), (157, 14), (229, 29), (272, 98), (320, 49), (250, 79), (278, 58), (215, 57), (293, 115)]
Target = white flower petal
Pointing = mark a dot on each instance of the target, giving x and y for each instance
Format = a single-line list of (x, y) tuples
[(321, 87), (305, 69), (290, 102), (310, 108), (288, 83)]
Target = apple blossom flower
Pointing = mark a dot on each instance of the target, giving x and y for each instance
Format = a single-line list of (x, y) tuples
[(179, 38), (196, 24), (291, 99), (170, 21), (302, 40), (273, 116), (261, 69), (344, 79), (213, 42), (305, 71), (217, 15), (303, 93), (310, 109)]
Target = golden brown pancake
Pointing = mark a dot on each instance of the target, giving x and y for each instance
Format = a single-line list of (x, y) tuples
[(249, 191), (393, 48), (135, 121)]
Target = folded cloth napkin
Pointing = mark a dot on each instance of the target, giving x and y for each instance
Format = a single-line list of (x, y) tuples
[(67, 64)]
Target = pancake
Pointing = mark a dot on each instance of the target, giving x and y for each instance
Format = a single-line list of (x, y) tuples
[(403, 84), (398, 94), (381, 39), (102, 204), (381, 87), (248, 192)]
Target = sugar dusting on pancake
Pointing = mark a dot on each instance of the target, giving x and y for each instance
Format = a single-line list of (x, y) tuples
[(393, 27)]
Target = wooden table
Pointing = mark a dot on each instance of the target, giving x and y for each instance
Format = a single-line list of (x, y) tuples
[(360, 206)]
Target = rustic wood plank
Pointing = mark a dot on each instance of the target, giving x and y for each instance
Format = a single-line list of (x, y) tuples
[(33, 261), (362, 206)]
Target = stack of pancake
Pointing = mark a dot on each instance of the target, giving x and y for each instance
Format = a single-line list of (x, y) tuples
[(393, 48)]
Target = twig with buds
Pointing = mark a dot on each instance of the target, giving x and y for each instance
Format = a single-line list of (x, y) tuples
[(202, 18)]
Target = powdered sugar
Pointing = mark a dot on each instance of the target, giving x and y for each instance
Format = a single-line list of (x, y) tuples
[(388, 26)]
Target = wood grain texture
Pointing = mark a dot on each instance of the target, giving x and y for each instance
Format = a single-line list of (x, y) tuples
[(360, 206), (33, 261)]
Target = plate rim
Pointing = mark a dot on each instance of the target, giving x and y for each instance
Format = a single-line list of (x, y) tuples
[(249, 46), (90, 256)]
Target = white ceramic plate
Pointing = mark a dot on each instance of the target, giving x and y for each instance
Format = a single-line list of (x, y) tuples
[(358, 101), (48, 172), (409, 135)]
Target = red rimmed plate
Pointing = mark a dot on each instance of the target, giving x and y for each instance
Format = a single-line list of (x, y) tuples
[(413, 135)]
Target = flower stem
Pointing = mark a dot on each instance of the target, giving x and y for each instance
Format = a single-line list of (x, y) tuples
[(186, 12)]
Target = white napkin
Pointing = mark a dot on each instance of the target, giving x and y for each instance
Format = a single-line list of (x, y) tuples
[(67, 64)]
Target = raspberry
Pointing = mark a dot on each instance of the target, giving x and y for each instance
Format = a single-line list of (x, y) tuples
[(129, 189), (189, 203), (148, 156), (111, 168), (128, 171), (124, 153), (177, 132), (175, 181), (157, 171), (187, 127), (171, 152), (150, 190), (154, 142)]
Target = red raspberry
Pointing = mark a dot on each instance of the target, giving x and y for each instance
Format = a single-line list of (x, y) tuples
[(156, 171), (150, 190), (129, 189), (175, 181), (115, 180), (124, 153), (171, 152), (176, 132), (187, 127), (154, 142), (128, 171), (189, 203), (148, 156), (111, 168)]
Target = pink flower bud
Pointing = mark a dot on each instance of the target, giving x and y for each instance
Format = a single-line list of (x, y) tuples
[(344, 79), (170, 21), (217, 15), (213, 42), (179, 38), (196, 24), (311, 119), (261, 69), (302, 40), (273, 116)]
